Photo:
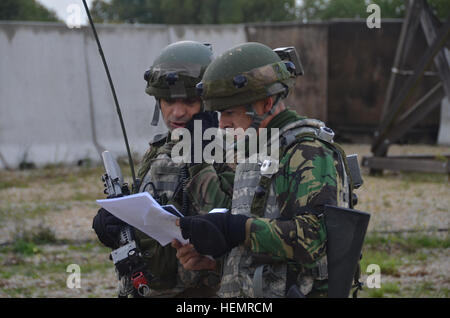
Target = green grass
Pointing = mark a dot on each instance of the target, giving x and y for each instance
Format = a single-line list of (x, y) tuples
[(386, 290), (25, 248), (416, 177), (428, 289), (20, 211), (406, 242), (82, 195), (392, 251), (11, 183), (33, 262), (51, 174), (90, 246), (395, 251), (388, 263), (37, 254), (26, 242), (37, 235), (20, 259)]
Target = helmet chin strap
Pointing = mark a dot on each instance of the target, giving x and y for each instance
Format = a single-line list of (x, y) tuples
[(258, 119), (156, 111)]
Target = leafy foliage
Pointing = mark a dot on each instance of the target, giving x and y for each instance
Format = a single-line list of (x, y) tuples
[(240, 11), (193, 11), (25, 10), (326, 9)]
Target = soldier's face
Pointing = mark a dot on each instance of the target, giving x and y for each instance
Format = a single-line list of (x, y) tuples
[(236, 117), (177, 112)]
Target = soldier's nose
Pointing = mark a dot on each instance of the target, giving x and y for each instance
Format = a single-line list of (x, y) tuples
[(223, 124), (179, 111)]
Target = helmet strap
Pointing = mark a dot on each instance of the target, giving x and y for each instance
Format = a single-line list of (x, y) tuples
[(156, 113), (258, 119)]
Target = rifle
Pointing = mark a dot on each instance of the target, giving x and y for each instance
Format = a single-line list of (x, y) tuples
[(127, 258)]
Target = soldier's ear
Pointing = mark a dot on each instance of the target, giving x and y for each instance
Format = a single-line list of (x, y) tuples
[(268, 103)]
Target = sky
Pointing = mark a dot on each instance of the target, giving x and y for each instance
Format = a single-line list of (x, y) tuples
[(67, 10)]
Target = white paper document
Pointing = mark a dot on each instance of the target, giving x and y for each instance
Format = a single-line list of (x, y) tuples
[(143, 212)]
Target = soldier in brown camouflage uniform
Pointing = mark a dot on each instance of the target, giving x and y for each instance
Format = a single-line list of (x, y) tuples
[(171, 80), (274, 239)]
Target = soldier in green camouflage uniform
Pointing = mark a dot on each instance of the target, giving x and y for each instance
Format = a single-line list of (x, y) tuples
[(274, 238), (171, 80)]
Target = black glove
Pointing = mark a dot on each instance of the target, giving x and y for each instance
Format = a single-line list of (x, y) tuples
[(107, 227), (214, 234), (209, 120)]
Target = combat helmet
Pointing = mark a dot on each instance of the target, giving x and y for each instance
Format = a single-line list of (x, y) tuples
[(247, 73), (176, 71)]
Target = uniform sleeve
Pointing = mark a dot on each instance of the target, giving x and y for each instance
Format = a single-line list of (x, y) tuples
[(305, 182), (210, 186)]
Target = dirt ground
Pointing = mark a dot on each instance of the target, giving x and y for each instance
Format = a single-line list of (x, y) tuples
[(46, 216)]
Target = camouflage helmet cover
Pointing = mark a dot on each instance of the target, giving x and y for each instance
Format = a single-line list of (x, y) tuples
[(244, 74), (177, 70)]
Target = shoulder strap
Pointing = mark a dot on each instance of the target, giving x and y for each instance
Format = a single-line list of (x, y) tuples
[(261, 195), (292, 134), (289, 135), (316, 129), (157, 142), (310, 127)]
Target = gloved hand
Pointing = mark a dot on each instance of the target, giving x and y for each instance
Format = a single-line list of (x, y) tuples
[(214, 234), (107, 227), (208, 120)]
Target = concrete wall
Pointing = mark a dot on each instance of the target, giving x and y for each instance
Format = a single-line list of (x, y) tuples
[(55, 101)]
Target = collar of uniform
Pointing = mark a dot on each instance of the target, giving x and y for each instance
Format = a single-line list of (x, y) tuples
[(279, 121), (284, 118)]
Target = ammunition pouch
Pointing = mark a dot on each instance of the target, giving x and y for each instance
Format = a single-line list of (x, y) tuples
[(164, 267)]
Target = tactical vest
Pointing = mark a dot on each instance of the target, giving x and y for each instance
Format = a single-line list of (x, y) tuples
[(161, 177), (244, 275)]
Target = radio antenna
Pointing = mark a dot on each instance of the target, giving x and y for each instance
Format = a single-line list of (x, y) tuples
[(119, 113)]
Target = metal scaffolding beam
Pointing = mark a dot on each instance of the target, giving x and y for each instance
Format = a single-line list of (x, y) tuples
[(396, 118)]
